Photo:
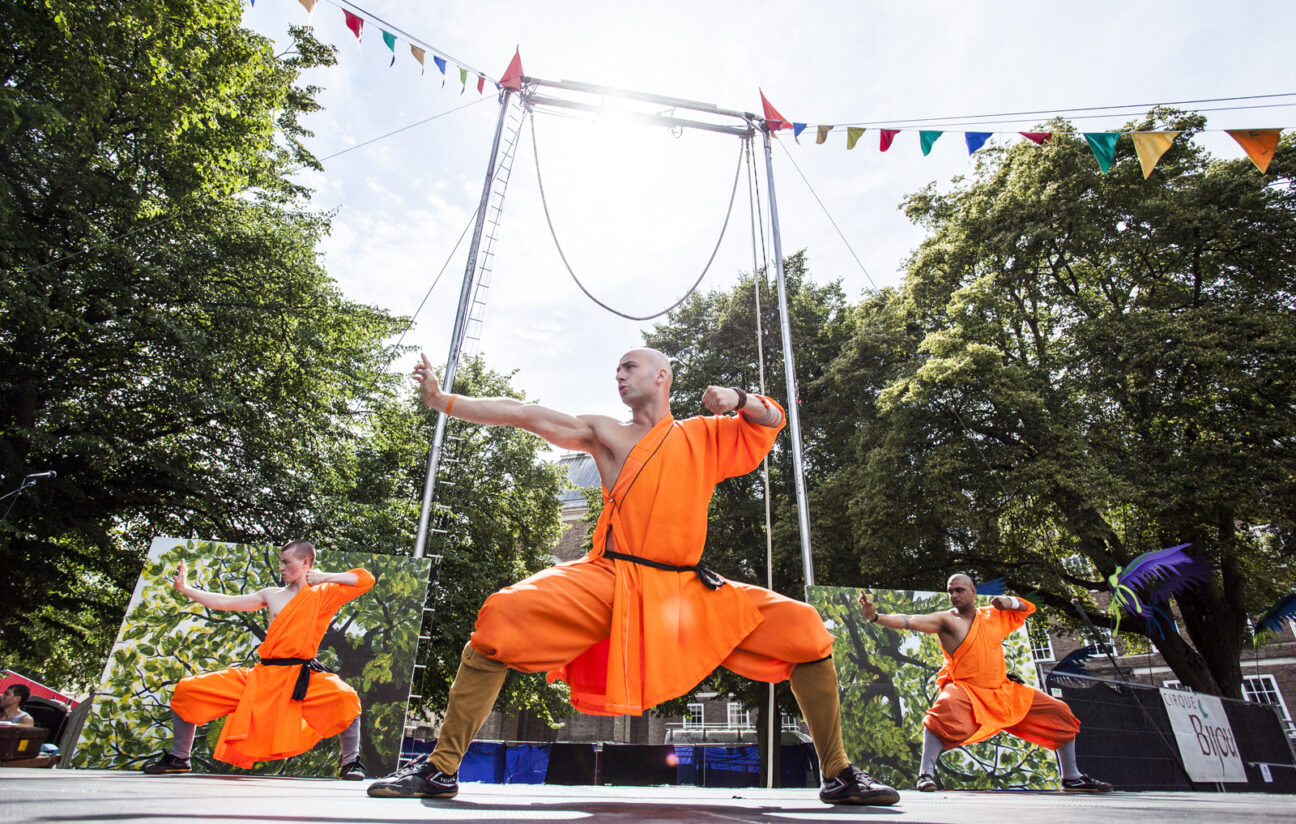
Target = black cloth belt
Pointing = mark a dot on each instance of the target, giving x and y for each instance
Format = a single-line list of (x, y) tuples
[(303, 677), (709, 579)]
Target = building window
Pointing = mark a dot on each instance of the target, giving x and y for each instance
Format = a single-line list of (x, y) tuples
[(695, 718), (1263, 689), (739, 718), (1175, 684), (1042, 648), (787, 722)]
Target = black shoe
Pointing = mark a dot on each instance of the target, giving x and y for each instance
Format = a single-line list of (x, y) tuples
[(926, 783), (354, 771), (854, 786), (417, 779), (1085, 784), (167, 763)]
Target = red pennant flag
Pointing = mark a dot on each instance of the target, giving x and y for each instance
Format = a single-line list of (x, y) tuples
[(355, 23), (773, 119), (512, 79), (1038, 137), (481, 83), (885, 136)]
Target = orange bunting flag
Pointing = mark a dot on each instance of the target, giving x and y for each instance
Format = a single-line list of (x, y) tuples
[(773, 120), (853, 134), (512, 79), (823, 134), (310, 8), (419, 54), (885, 136), (1259, 144), (355, 23), (1150, 146), (1038, 137)]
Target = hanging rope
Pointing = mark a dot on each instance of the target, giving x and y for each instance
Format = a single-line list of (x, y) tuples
[(544, 202)]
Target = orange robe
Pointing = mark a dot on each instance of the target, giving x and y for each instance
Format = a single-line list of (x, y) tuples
[(266, 724), (625, 636), (978, 700)]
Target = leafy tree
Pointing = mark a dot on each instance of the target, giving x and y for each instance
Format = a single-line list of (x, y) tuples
[(497, 502), (1080, 368), (370, 644), (172, 346)]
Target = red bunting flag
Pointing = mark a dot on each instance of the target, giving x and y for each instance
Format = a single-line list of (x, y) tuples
[(512, 79), (1038, 137), (773, 120), (481, 83), (355, 23), (885, 136), (1259, 144)]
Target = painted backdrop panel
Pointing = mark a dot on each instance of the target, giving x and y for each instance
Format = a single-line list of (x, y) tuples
[(371, 644), (888, 680)]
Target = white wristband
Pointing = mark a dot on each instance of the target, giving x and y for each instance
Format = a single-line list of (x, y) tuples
[(1015, 603)]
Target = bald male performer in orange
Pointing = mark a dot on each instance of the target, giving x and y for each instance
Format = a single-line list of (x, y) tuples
[(286, 703), (977, 699), (638, 621)]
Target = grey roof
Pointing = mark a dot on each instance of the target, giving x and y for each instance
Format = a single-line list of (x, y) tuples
[(583, 474)]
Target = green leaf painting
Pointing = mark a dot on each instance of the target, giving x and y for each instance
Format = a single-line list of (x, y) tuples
[(888, 681), (371, 645)]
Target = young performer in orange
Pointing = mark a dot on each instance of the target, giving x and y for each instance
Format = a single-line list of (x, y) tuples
[(286, 703), (638, 621), (977, 699)]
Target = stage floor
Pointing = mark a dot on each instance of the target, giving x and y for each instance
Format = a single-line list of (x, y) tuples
[(95, 795)]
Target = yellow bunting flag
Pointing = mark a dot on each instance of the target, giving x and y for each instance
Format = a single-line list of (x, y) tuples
[(1258, 143), (419, 54), (310, 7), (853, 134), (1150, 146), (823, 134)]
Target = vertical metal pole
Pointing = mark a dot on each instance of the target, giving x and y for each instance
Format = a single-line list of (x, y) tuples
[(789, 367), (460, 330)]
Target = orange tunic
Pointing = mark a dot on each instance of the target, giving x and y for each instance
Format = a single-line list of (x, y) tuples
[(625, 636), (977, 668), (266, 724)]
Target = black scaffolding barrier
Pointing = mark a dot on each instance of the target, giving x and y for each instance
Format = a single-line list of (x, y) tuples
[(1126, 738)]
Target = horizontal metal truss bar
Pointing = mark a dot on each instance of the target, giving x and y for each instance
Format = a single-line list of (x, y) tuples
[(610, 91), (649, 119)]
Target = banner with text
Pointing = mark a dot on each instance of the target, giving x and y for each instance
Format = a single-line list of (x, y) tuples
[(1205, 738)]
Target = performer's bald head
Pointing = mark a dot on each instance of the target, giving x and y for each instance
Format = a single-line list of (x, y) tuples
[(962, 578), (652, 363), (301, 550)]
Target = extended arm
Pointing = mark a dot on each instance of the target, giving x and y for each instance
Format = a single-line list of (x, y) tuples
[(718, 400), (1011, 603), (212, 600), (558, 428), (931, 623), (346, 579)]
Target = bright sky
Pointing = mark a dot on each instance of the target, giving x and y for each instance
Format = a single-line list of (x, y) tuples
[(638, 210)]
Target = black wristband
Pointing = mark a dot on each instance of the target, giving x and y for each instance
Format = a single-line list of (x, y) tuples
[(875, 617), (742, 399)]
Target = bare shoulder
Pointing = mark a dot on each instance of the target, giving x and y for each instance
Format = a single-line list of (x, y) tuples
[(608, 432)]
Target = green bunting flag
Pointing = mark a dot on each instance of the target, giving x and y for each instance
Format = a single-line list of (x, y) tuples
[(1103, 146), (853, 134), (463, 79), (390, 40), (928, 139)]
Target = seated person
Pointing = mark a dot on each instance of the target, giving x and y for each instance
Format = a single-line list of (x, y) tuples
[(11, 703)]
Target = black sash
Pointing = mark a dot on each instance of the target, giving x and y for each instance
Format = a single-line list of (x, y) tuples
[(709, 579), (303, 677)]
